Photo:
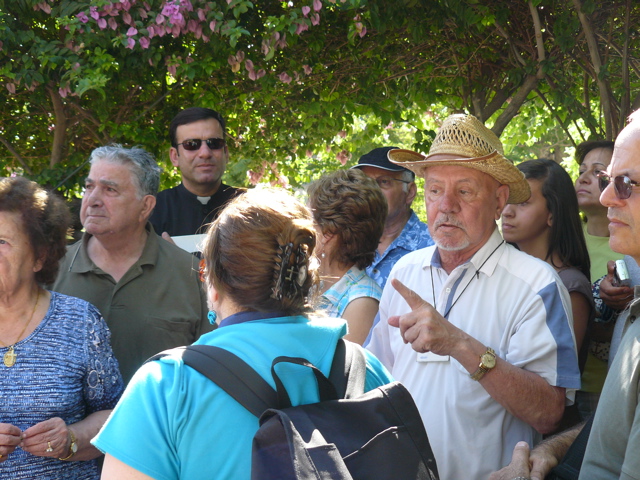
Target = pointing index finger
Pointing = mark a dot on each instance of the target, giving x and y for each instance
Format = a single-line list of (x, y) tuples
[(412, 298)]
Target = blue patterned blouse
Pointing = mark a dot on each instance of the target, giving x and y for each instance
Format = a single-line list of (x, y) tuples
[(65, 369), (353, 284)]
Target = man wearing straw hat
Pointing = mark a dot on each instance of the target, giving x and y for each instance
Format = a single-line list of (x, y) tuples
[(484, 343)]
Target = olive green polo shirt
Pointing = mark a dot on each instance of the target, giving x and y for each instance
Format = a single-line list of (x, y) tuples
[(158, 304)]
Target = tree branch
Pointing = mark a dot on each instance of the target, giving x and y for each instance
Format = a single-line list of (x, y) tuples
[(555, 114), (13, 152), (60, 128), (605, 100)]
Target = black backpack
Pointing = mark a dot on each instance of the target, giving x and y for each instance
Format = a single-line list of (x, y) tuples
[(348, 435)]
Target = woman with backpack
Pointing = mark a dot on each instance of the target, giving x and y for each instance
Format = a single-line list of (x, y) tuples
[(173, 422)]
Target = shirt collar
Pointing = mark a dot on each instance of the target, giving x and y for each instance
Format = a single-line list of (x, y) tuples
[(82, 263), (243, 317), (480, 257)]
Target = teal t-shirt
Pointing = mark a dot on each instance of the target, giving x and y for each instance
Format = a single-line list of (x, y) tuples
[(174, 423)]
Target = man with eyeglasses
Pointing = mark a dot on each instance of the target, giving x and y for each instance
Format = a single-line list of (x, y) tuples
[(613, 441), (199, 150), (403, 231)]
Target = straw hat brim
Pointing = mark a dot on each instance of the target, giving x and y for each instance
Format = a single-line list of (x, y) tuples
[(494, 165)]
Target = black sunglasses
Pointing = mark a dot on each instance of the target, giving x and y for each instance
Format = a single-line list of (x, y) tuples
[(622, 184), (196, 143)]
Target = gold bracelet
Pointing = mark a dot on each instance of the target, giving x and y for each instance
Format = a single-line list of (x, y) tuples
[(73, 446)]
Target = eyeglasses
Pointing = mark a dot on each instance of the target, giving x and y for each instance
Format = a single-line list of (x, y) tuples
[(385, 182), (622, 184), (195, 144)]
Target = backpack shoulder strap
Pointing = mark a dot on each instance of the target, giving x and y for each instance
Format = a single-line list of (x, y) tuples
[(348, 369), (230, 373)]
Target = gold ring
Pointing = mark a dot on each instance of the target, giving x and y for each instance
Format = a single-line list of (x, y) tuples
[(49, 449), (1, 456)]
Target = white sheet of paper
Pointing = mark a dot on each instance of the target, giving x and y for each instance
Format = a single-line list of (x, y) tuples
[(190, 243)]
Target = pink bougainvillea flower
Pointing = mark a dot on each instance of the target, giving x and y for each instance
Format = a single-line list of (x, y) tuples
[(113, 25), (64, 91), (201, 15), (343, 157), (131, 43), (302, 26), (284, 77), (315, 19), (143, 13), (102, 23), (144, 42), (255, 177), (317, 5), (160, 19), (93, 11), (306, 10), (132, 31), (307, 69), (82, 17), (12, 88), (45, 7)]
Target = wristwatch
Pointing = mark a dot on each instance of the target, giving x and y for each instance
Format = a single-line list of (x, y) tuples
[(487, 362), (73, 446)]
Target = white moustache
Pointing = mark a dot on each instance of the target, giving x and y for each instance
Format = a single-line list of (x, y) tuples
[(450, 221)]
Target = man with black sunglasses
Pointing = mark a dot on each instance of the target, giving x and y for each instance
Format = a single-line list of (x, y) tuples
[(613, 442), (199, 150)]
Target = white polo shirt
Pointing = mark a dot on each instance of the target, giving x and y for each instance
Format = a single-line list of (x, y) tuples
[(515, 304)]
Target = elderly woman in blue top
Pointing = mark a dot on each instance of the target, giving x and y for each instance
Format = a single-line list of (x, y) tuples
[(349, 210), (59, 378), (174, 423)]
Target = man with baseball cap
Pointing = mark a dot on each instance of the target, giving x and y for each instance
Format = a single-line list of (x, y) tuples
[(479, 332), (403, 231)]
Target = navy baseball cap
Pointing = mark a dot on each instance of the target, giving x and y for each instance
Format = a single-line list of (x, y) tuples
[(378, 158)]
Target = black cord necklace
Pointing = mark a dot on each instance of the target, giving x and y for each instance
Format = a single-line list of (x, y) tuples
[(474, 275)]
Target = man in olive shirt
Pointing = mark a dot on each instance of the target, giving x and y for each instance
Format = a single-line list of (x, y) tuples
[(146, 289)]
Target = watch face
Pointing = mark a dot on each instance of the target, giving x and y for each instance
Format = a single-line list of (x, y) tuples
[(74, 447), (488, 360)]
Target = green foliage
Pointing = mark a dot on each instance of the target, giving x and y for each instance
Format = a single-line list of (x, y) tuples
[(306, 86)]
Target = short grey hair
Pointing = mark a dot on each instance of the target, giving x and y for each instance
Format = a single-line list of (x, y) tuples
[(145, 169)]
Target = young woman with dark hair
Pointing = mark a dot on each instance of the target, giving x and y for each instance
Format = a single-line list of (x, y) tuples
[(548, 226)]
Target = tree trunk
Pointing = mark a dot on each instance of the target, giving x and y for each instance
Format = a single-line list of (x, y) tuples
[(60, 127)]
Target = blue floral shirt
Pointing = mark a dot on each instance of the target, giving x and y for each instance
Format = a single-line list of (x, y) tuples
[(353, 284), (415, 235)]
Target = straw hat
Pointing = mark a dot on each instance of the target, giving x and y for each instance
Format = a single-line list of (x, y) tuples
[(475, 146)]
